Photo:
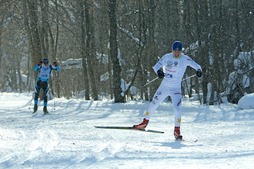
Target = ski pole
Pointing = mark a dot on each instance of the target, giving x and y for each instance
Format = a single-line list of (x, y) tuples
[(150, 81), (188, 77), (158, 77), (54, 75)]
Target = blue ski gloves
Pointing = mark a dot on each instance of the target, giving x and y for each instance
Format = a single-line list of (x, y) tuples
[(198, 73), (160, 74)]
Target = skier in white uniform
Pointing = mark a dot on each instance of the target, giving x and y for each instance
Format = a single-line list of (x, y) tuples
[(173, 68)]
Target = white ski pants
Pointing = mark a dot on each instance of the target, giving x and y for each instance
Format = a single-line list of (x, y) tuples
[(161, 93)]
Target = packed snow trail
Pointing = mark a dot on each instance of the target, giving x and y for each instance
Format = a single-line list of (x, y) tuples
[(66, 138)]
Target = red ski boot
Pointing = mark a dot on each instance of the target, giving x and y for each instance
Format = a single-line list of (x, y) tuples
[(177, 134), (142, 125)]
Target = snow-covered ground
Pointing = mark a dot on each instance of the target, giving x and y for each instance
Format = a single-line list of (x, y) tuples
[(66, 138)]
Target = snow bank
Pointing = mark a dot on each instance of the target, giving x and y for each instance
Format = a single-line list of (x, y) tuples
[(246, 102)]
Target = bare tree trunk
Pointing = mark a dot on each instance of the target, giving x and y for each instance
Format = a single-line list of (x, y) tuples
[(114, 53), (90, 48), (33, 31), (1, 52), (151, 42), (54, 52), (44, 31), (140, 49), (84, 56), (33, 18), (55, 82)]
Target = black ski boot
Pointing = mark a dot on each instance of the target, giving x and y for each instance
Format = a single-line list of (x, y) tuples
[(45, 110), (35, 108)]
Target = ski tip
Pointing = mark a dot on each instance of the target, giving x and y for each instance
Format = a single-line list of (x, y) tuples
[(155, 131), (187, 140)]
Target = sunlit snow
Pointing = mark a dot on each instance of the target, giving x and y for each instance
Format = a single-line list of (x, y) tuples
[(66, 138)]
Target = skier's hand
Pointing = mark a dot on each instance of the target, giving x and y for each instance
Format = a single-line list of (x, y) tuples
[(40, 62), (54, 63), (160, 74), (198, 73)]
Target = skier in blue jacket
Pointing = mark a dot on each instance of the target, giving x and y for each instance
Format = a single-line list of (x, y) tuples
[(44, 69)]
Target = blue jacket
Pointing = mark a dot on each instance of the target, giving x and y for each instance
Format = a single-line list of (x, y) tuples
[(45, 71)]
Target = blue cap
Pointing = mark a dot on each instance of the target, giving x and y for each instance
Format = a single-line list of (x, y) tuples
[(177, 45), (45, 60)]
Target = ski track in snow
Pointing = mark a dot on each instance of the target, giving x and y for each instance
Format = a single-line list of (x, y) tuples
[(66, 137)]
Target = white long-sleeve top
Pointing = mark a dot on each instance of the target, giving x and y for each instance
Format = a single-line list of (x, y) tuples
[(174, 68)]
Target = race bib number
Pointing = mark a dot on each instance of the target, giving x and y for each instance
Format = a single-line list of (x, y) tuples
[(44, 73)]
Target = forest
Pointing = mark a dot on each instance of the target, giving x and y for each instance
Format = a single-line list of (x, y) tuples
[(107, 48)]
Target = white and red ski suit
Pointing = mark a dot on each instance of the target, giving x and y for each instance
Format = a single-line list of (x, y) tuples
[(174, 69)]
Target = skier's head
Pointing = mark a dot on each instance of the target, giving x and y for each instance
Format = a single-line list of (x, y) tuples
[(177, 48), (177, 45), (45, 61)]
